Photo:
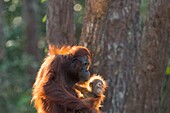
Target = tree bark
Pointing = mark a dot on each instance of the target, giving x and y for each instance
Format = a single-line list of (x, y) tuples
[(154, 56), (60, 22), (133, 65), (114, 49), (31, 27), (93, 25)]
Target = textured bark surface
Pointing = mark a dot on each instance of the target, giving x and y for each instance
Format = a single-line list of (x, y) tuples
[(60, 22), (133, 64), (153, 58), (93, 25), (122, 33), (114, 46), (31, 27)]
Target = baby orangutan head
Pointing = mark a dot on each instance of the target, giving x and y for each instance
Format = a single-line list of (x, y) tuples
[(97, 85)]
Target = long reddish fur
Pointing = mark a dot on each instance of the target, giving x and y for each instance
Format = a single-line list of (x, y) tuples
[(56, 96)]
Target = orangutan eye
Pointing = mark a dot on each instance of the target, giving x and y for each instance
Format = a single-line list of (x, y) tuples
[(73, 60)]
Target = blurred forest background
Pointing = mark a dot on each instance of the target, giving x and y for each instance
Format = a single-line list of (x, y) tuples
[(129, 41)]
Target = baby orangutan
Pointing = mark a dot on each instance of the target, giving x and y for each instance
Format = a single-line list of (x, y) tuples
[(94, 87)]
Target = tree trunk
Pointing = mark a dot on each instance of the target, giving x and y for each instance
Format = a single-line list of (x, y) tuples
[(93, 25), (153, 58), (1, 31), (133, 65), (60, 22), (114, 49), (31, 27)]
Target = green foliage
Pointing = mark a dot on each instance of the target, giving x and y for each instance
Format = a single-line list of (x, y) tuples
[(15, 81), (44, 19), (143, 10), (144, 7), (15, 77), (24, 103), (42, 1), (168, 70)]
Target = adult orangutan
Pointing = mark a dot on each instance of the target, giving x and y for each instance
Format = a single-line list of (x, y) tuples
[(53, 90)]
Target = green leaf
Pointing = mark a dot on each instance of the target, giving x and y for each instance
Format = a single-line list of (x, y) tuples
[(168, 70), (44, 19), (42, 1)]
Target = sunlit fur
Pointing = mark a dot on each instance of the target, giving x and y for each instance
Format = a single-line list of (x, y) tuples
[(84, 87), (47, 93), (69, 50)]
